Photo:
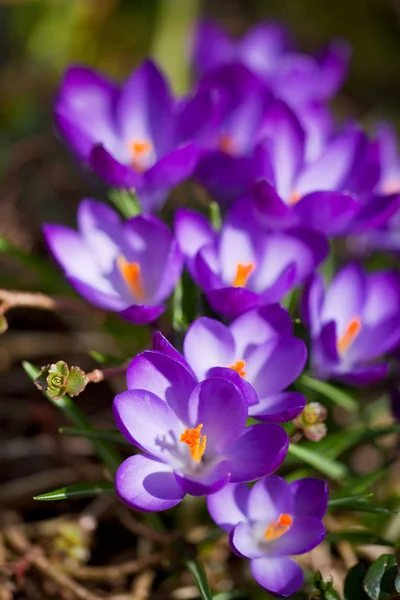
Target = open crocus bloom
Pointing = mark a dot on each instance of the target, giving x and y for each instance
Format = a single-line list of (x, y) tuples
[(193, 435), (128, 267), (266, 49), (334, 193), (257, 352), (353, 323), (242, 267), (130, 136), (270, 522)]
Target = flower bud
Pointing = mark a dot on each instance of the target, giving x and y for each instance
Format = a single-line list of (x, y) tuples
[(311, 421), (58, 379)]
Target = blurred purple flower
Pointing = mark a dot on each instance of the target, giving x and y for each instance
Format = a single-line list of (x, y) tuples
[(267, 50), (334, 193), (242, 267), (128, 267), (133, 136), (193, 435), (353, 323), (257, 352), (270, 521)]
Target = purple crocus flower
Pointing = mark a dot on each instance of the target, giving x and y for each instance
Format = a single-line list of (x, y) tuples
[(131, 136), (270, 521), (128, 267), (193, 435), (242, 267), (353, 323), (257, 352), (334, 193), (266, 49)]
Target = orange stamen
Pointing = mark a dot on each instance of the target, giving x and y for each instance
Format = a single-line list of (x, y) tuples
[(139, 149), (239, 366), (294, 198), (278, 527), (226, 144), (131, 272), (353, 329), (242, 274), (195, 441)]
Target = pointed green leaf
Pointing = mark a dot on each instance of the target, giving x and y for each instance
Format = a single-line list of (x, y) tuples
[(359, 502), (126, 201), (330, 392), (79, 490), (104, 450), (215, 215), (331, 468), (374, 583), (108, 435), (200, 578), (357, 537)]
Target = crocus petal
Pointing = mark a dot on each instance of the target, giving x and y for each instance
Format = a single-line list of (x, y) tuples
[(173, 266), (382, 297), (361, 376), (101, 228), (280, 576), (197, 117), (111, 171), (192, 231), (268, 498), (244, 542), (312, 302), (232, 301), (146, 484), (304, 534), (221, 408), (276, 213), (161, 344), (259, 325), (229, 506), (208, 343), (142, 315), (146, 421), (71, 132), (258, 452), (207, 481), (166, 173), (310, 497), (287, 145), (376, 213), (246, 389), (211, 47), (261, 47), (144, 109), (329, 212), (165, 377), (279, 408), (276, 364), (99, 294), (71, 252), (345, 297)]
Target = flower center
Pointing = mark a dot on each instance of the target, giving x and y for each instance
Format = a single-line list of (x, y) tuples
[(195, 441), (278, 527), (391, 186), (141, 151), (226, 144), (242, 274), (352, 331), (132, 275), (294, 198), (239, 366)]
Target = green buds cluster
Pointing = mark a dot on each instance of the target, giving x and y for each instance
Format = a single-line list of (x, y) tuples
[(59, 379)]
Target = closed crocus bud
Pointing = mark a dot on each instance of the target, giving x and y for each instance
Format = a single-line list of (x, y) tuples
[(311, 421)]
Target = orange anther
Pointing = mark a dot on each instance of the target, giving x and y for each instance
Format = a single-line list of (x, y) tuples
[(352, 330), (140, 149), (131, 272), (239, 366), (242, 274), (294, 197), (195, 441), (278, 527), (226, 144)]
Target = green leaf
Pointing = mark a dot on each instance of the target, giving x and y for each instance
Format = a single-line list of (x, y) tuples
[(103, 449), (108, 435), (333, 469), (358, 485), (79, 490), (200, 578), (178, 317), (330, 392), (397, 583), (215, 215), (126, 201), (358, 502), (353, 585), (357, 537), (77, 381), (374, 583)]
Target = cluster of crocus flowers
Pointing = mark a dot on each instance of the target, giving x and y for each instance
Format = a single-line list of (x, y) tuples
[(255, 131)]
